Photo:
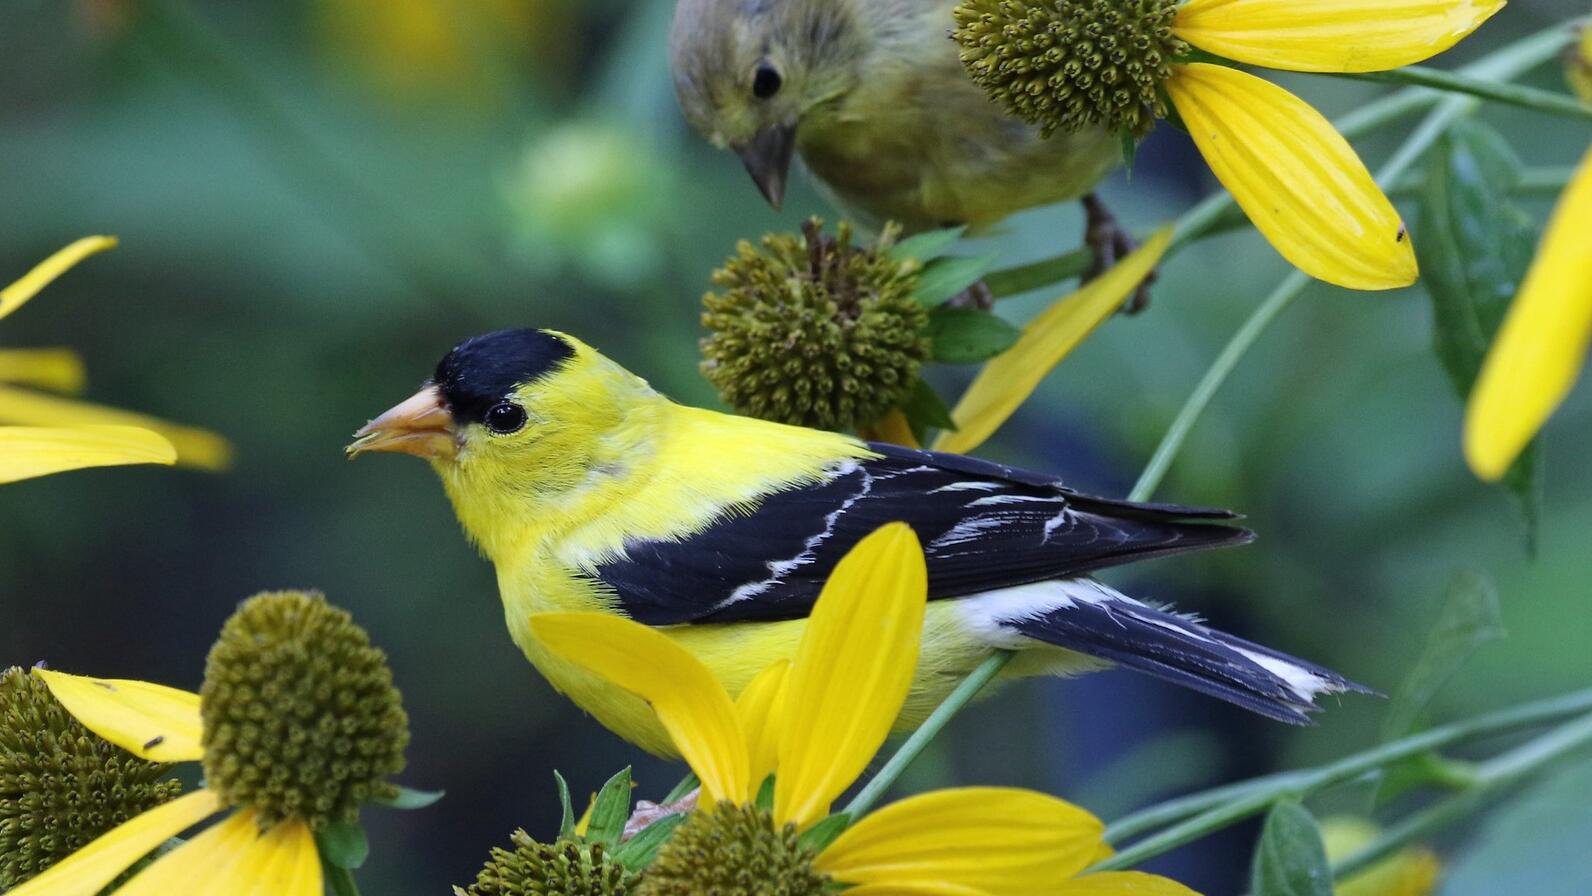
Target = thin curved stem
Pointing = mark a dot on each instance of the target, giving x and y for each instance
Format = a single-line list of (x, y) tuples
[(1202, 813), (937, 720), (1493, 91), (340, 881)]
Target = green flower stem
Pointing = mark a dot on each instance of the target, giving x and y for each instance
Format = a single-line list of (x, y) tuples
[(926, 732), (1194, 816), (1493, 91), (1492, 776), (1507, 63), (340, 881), (1211, 215)]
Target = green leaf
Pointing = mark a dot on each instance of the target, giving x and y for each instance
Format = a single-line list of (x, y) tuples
[(566, 824), (343, 844), (945, 277), (1422, 770), (925, 410), (1469, 618), (926, 246), (1474, 246), (1130, 150), (610, 811), (409, 798), (639, 851), (824, 832), (686, 785), (765, 795), (1290, 859), (968, 335)]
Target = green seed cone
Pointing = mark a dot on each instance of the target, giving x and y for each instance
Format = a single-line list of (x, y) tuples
[(1068, 64), (813, 331), (733, 851), (61, 786), (301, 719), (556, 869)]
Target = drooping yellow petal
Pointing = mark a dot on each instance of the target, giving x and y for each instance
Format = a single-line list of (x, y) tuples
[(1008, 379), (1123, 883), (1299, 181), (1542, 344), (234, 858), (30, 451), (851, 673), (88, 870), (920, 888), (1003, 841), (893, 428), (151, 721), (758, 708), (195, 447), (14, 296), (56, 369), (689, 701), (1330, 35)]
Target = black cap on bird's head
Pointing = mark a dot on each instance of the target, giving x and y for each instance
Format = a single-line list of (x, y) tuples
[(472, 384)]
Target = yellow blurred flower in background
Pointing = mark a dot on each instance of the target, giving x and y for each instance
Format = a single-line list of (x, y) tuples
[(41, 433), (1413, 872)]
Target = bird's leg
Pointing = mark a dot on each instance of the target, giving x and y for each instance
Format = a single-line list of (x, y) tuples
[(1110, 244), (975, 296), (648, 812)]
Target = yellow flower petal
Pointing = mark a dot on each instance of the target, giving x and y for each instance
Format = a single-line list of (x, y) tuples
[(152, 721), (88, 870), (195, 447), (1007, 380), (14, 296), (1123, 883), (234, 858), (920, 888), (56, 369), (1295, 176), (1330, 35), (1003, 841), (893, 428), (851, 673), (689, 701), (1412, 871), (1542, 344), (30, 451), (758, 709)]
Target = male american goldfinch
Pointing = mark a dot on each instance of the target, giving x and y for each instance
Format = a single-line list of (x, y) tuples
[(873, 96), (590, 491)]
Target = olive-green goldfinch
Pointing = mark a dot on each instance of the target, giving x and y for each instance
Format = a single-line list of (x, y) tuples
[(590, 491), (874, 97)]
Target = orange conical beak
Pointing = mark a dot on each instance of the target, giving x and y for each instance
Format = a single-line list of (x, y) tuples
[(420, 425)]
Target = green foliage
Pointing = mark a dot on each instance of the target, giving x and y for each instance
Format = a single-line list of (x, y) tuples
[(1474, 246), (1290, 859), (610, 811), (343, 844), (926, 410), (943, 278), (408, 798), (1469, 618), (968, 335)]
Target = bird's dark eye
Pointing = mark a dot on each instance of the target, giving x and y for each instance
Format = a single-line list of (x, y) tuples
[(765, 82), (505, 417)]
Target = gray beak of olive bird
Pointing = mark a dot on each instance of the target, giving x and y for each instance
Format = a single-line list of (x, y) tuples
[(767, 158)]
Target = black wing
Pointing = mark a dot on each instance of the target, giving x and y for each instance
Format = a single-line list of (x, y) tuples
[(983, 526)]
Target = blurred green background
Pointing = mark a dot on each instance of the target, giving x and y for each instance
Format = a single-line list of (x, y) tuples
[(317, 198)]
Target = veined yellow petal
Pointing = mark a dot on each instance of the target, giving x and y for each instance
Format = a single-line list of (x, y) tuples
[(14, 296), (689, 701), (1003, 841), (1123, 883), (1007, 380), (919, 888), (195, 447), (88, 870), (30, 451), (1330, 35), (758, 709), (1295, 176), (282, 862), (1542, 344), (893, 428), (56, 369), (235, 858), (851, 673), (151, 721)]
